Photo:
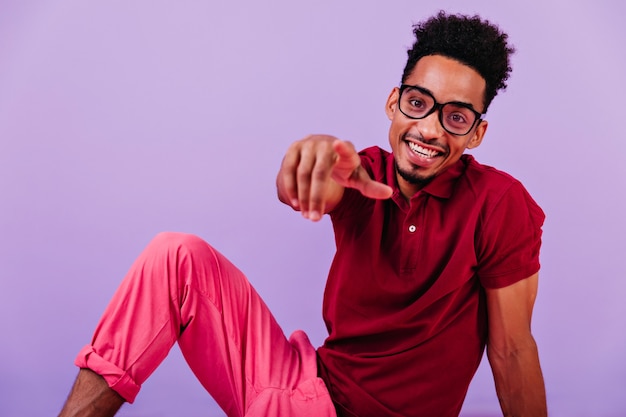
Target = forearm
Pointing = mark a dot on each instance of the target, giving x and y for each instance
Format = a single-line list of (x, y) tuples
[(519, 381)]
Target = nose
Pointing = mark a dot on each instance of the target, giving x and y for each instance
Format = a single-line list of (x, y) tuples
[(430, 126)]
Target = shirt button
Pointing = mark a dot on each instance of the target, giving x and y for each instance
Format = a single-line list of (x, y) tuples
[(412, 228)]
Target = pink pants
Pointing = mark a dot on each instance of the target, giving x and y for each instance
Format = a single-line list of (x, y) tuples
[(181, 289)]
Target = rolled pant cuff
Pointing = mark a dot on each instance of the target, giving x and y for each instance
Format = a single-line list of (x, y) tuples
[(117, 379)]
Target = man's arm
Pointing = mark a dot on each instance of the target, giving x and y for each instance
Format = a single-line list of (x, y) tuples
[(512, 350), (315, 171)]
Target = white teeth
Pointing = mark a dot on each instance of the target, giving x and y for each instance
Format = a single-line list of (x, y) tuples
[(422, 151)]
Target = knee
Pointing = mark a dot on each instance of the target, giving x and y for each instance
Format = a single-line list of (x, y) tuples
[(181, 254), (169, 240), (176, 242), (188, 259)]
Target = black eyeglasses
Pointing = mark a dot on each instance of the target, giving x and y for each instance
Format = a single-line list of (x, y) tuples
[(456, 118)]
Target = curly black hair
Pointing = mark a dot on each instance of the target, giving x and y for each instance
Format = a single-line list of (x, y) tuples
[(470, 40)]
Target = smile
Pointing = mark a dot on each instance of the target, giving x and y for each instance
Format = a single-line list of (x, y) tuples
[(420, 150)]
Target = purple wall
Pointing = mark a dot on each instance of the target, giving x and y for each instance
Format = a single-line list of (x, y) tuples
[(122, 119)]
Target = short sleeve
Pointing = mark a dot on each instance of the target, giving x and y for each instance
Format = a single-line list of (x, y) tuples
[(508, 244)]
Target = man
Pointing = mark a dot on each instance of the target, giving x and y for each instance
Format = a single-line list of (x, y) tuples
[(437, 256)]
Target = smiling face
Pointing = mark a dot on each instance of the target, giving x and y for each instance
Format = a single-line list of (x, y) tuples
[(423, 148)]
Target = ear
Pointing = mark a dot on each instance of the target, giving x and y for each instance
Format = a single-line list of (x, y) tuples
[(479, 133), (392, 102)]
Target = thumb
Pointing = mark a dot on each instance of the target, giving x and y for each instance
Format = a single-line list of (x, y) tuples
[(349, 172), (368, 187)]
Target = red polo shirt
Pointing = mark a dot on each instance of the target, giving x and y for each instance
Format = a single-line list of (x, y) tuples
[(404, 304)]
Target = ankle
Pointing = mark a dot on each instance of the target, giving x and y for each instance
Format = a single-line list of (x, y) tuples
[(91, 396)]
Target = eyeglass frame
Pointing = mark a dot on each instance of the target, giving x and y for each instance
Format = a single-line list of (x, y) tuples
[(438, 107)]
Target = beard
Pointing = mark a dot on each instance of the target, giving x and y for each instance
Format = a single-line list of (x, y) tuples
[(413, 177)]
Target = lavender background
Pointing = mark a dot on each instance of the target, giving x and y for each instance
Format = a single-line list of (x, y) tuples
[(121, 119)]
